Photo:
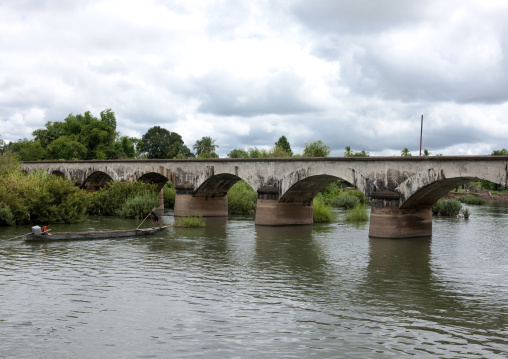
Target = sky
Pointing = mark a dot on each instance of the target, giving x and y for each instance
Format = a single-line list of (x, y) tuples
[(349, 73)]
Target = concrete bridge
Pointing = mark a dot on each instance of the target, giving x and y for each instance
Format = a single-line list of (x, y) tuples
[(401, 190)]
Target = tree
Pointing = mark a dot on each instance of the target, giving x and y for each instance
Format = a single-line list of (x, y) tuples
[(238, 153), (66, 148), (254, 152), (426, 152), (316, 149), (158, 142), (348, 152), (205, 148), (502, 152), (405, 152), (283, 144), (27, 150), (362, 153)]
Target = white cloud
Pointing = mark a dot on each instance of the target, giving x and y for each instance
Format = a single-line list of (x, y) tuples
[(246, 73)]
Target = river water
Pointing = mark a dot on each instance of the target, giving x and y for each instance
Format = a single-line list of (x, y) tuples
[(236, 290)]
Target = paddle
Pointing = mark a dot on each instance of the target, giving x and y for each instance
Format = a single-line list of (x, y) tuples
[(143, 220)]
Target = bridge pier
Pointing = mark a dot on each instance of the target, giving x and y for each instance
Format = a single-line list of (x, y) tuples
[(387, 220), (188, 205), (271, 212)]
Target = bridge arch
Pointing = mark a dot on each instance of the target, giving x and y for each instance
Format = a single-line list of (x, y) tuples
[(155, 178), (217, 185), (426, 196), (96, 180), (304, 184)]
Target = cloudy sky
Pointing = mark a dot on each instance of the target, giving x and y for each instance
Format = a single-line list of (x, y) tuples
[(349, 73)]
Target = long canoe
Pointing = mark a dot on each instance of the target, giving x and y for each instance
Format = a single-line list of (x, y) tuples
[(91, 235)]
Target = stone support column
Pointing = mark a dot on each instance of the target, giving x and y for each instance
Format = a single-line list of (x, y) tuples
[(387, 220), (188, 205), (271, 212)]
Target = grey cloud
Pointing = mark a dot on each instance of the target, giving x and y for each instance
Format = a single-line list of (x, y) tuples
[(225, 95), (346, 17)]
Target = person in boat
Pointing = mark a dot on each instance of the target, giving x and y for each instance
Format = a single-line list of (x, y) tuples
[(45, 230), (155, 217)]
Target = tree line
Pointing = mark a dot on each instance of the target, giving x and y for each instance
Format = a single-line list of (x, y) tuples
[(85, 137)]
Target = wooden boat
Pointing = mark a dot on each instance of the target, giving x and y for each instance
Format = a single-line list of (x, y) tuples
[(92, 235)]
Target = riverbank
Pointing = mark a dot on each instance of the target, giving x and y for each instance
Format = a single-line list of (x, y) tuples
[(486, 195)]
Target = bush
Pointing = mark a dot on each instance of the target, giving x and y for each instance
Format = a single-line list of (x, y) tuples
[(242, 199), (139, 206), (466, 213), (114, 194), (331, 191), (190, 222), (345, 200), (447, 207), (473, 200), (321, 213), (169, 193), (6, 216), (357, 214), (41, 198)]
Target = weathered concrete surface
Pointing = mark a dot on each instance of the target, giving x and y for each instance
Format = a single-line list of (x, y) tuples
[(411, 184), (274, 213)]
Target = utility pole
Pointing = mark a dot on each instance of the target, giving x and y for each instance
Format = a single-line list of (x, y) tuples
[(421, 133)]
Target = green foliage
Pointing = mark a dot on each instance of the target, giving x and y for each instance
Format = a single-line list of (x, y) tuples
[(9, 163), (169, 193), (190, 222), (357, 214), (405, 152), (502, 152), (238, 153), (283, 144), (321, 213), (349, 153), (426, 152), (345, 200), (41, 198), (205, 148), (83, 137), (332, 190), (242, 199), (254, 152), (473, 200), (109, 199), (139, 205), (66, 148), (447, 207), (466, 213), (6, 216), (158, 142), (27, 150), (316, 149)]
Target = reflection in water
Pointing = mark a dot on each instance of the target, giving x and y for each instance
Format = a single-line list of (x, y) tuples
[(233, 289)]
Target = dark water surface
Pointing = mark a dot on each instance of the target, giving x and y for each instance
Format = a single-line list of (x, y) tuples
[(236, 290)]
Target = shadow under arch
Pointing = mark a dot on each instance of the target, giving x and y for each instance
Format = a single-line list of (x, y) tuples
[(154, 178), (217, 185), (96, 181), (430, 194)]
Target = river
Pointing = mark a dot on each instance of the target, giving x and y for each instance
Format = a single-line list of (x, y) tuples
[(236, 290)]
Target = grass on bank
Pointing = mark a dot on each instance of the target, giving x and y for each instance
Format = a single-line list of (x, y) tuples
[(189, 222), (472, 200)]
